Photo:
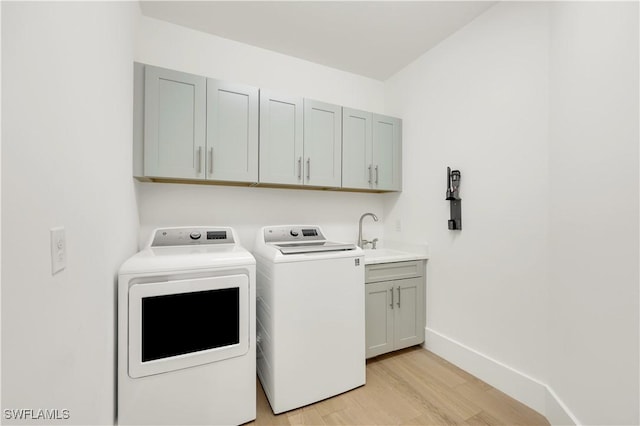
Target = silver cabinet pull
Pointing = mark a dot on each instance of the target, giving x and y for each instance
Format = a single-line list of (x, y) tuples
[(399, 296), (299, 168), (199, 169), (369, 173), (210, 160), (391, 305), (308, 168), (376, 174)]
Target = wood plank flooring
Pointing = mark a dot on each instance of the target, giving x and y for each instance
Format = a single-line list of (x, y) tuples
[(409, 387)]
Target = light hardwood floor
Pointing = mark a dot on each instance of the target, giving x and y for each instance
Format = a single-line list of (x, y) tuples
[(409, 387)]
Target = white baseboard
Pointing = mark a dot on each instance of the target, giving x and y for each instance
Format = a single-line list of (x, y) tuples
[(514, 383)]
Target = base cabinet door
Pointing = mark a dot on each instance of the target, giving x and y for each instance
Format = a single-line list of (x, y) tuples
[(408, 326), (379, 318)]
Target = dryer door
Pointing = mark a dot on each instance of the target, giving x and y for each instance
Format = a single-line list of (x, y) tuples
[(180, 324)]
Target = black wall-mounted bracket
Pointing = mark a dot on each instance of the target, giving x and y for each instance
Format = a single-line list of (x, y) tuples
[(453, 185)]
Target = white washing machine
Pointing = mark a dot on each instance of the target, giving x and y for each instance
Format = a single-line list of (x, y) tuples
[(310, 316), (186, 330)]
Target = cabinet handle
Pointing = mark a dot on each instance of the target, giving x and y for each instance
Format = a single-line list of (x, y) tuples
[(369, 173), (391, 305), (376, 174), (399, 296), (308, 168), (210, 160), (199, 169), (299, 168)]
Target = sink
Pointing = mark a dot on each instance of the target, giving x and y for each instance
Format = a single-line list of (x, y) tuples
[(385, 255)]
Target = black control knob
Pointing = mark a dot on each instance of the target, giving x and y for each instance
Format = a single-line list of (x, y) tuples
[(293, 233), (195, 235)]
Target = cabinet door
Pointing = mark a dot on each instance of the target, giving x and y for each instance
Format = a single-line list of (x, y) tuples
[(379, 312), (387, 153), (232, 132), (280, 139), (409, 312), (357, 166), (174, 124), (322, 144)]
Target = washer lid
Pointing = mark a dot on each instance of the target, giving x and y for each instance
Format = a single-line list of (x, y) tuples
[(315, 247)]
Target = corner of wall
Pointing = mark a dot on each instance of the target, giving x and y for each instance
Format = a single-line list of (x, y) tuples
[(557, 412), (529, 391), (514, 383)]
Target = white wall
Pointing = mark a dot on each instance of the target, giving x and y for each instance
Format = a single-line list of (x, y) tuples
[(537, 105), (594, 323), (478, 102), (66, 161), (171, 46)]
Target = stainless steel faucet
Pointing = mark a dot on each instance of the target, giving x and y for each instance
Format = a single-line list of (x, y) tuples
[(362, 242)]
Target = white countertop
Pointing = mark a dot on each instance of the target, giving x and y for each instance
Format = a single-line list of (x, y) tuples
[(385, 255)]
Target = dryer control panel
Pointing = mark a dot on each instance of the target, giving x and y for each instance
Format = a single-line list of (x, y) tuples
[(181, 236)]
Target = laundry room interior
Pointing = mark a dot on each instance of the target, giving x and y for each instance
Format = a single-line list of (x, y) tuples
[(534, 289)]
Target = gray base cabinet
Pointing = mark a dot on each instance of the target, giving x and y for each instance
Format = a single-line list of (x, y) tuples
[(394, 306)]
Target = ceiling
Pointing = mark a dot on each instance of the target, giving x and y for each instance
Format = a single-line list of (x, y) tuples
[(375, 39)]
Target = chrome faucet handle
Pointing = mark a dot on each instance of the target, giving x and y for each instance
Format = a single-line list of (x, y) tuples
[(364, 244), (373, 243)]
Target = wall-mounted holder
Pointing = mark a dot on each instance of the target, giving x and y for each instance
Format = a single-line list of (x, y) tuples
[(453, 183)]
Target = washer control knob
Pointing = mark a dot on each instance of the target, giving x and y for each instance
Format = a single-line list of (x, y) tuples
[(195, 235), (293, 233)]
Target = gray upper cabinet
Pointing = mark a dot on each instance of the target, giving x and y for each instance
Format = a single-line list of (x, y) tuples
[(322, 144), (371, 151), (174, 124), (191, 127), (232, 132), (194, 127), (357, 146), (300, 141), (281, 139), (387, 153)]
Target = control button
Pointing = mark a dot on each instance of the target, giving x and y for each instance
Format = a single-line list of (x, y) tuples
[(195, 235), (293, 233)]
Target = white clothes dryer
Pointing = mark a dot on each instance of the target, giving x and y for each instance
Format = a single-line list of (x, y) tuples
[(186, 330)]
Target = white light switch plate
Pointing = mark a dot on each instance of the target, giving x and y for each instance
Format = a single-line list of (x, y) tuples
[(58, 250)]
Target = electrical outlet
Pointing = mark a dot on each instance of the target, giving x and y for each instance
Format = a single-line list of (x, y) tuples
[(58, 250)]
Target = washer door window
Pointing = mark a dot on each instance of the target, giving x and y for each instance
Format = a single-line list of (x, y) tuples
[(180, 324)]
